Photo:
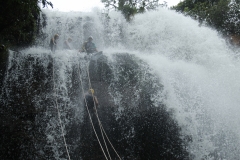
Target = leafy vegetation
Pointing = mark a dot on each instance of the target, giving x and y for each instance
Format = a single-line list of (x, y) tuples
[(130, 7), (223, 15), (20, 21)]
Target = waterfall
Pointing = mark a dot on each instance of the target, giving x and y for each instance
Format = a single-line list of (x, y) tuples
[(167, 87)]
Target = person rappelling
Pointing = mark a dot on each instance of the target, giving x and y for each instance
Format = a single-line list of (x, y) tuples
[(91, 101), (89, 46), (92, 135)]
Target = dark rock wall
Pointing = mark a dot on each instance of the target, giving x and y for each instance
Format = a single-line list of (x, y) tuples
[(138, 126)]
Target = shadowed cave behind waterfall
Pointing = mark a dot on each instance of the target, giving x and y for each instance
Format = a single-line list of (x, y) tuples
[(165, 90)]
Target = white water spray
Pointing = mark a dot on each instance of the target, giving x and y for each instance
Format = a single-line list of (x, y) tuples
[(199, 72), (200, 75)]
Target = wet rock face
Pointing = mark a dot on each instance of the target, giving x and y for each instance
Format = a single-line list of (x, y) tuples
[(22, 134), (3, 62), (141, 130), (138, 126)]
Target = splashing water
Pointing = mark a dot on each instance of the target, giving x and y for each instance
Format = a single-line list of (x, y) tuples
[(198, 71), (200, 75)]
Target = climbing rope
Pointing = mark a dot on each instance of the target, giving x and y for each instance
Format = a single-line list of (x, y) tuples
[(100, 124), (90, 115), (90, 86), (59, 115)]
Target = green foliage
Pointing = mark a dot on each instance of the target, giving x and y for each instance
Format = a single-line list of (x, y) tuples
[(130, 7), (193, 9), (218, 15), (232, 22), (223, 15), (19, 21)]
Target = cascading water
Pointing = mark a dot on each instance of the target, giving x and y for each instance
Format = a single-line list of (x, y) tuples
[(167, 88), (200, 75)]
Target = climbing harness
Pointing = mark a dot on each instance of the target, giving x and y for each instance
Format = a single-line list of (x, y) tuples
[(59, 115)]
